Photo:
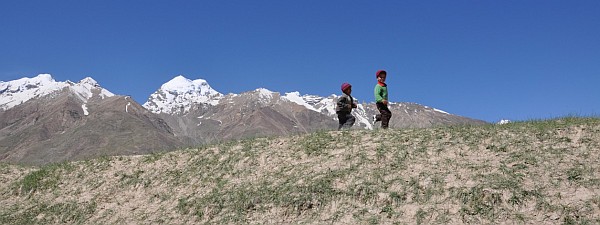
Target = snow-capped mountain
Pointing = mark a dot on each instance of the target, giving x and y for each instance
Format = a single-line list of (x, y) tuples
[(16, 92), (180, 94), (44, 121), (326, 106)]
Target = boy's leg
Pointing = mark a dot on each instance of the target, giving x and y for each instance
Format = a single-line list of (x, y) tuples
[(386, 115), (350, 119), (379, 117), (343, 119)]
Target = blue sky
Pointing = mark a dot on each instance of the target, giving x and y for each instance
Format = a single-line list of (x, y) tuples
[(487, 60)]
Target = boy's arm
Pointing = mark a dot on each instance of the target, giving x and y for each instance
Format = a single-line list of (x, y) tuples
[(378, 97)]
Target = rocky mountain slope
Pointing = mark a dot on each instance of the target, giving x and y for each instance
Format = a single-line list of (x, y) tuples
[(538, 172), (250, 114), (59, 121), (201, 114), (44, 121)]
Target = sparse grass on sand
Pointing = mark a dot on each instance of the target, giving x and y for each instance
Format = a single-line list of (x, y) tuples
[(534, 172)]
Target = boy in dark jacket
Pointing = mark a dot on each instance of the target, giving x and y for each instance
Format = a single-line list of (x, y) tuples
[(344, 107), (381, 99)]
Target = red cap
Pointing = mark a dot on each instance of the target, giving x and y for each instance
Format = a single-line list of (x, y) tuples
[(379, 72), (345, 86)]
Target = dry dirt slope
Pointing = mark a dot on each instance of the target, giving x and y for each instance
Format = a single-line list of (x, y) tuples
[(543, 172)]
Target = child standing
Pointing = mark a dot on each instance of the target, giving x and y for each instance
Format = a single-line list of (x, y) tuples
[(344, 107), (381, 99)]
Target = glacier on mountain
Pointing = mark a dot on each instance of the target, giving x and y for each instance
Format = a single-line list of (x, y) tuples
[(16, 92), (180, 94)]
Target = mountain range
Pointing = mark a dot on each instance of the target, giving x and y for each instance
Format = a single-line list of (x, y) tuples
[(44, 121)]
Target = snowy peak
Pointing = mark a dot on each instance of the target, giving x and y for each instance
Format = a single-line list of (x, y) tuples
[(182, 85), (89, 81), (260, 96), (85, 89), (264, 95), (42, 81), (313, 102), (16, 92), (179, 94)]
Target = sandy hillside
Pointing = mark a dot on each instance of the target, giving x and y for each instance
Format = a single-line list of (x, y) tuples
[(541, 172)]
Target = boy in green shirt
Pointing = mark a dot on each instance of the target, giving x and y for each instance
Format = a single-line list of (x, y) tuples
[(381, 100)]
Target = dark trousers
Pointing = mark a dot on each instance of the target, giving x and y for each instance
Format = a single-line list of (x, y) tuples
[(346, 120), (384, 115)]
